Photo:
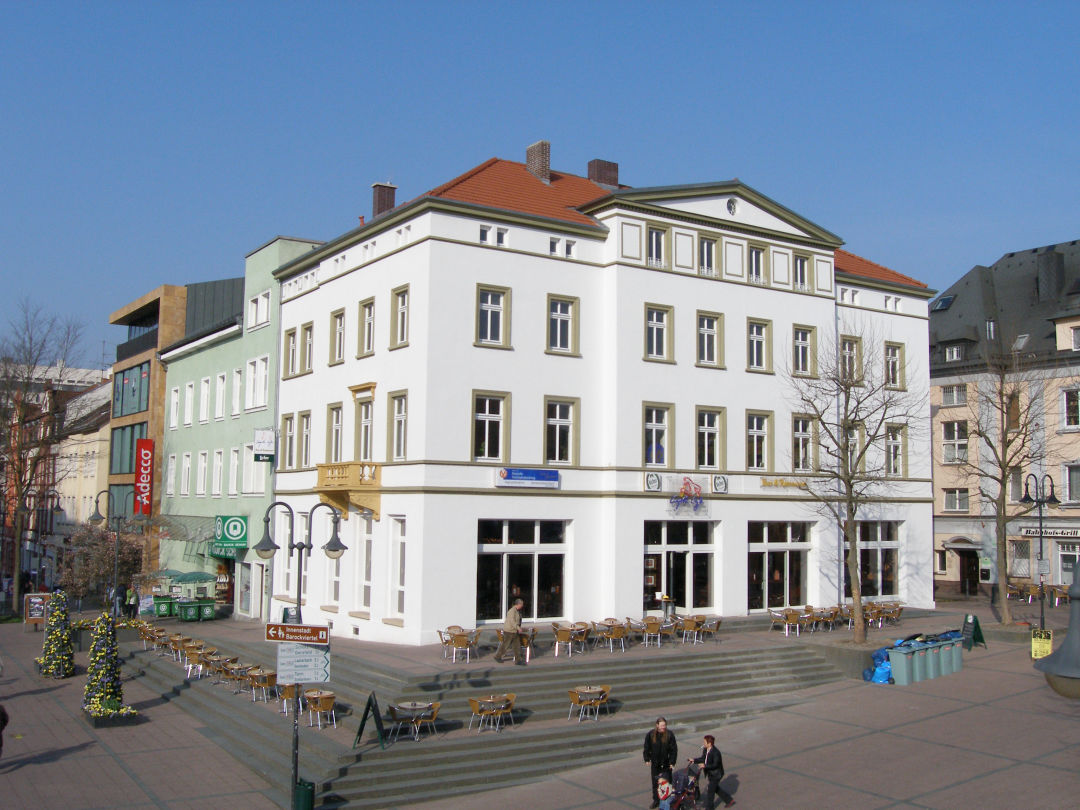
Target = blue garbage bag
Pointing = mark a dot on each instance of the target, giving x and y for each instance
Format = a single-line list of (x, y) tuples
[(882, 673)]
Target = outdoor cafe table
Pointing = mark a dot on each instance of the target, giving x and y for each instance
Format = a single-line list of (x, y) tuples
[(591, 694), (493, 702), (239, 673), (412, 710), (214, 661)]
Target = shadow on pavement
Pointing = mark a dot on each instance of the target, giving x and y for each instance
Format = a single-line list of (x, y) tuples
[(7, 766)]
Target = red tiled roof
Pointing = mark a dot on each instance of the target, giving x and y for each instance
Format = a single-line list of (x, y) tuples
[(858, 266), (508, 185)]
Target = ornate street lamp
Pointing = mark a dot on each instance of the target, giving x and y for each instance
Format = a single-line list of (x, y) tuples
[(1040, 498), (97, 519), (266, 548)]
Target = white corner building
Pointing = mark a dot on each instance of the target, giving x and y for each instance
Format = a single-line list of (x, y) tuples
[(526, 382)]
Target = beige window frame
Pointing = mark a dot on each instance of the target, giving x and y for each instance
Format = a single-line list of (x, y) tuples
[(335, 433), (399, 316), (807, 346), (851, 365), (492, 316), (759, 346), (802, 260), (657, 246), (365, 332), (483, 418), (397, 425), (307, 347), (303, 440), (804, 445), (704, 334), (710, 424), (561, 432), (658, 432), (364, 430), (759, 441), (760, 278), (659, 334), (287, 456), (896, 451), (337, 337), (895, 366), (563, 325)]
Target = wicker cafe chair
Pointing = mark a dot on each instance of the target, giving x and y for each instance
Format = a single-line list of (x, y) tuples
[(322, 705), (485, 712), (505, 710), (444, 642), (710, 627), (635, 626), (286, 694), (429, 717), (616, 632), (583, 705), (603, 700), (396, 720), (564, 635), (528, 641), (652, 630), (464, 642)]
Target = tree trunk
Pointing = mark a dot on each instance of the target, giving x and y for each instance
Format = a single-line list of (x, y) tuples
[(16, 563), (858, 630), (1002, 527)]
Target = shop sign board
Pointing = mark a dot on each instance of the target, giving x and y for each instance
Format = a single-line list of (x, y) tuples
[(527, 477), (36, 608), (1042, 643), (144, 476), (264, 444)]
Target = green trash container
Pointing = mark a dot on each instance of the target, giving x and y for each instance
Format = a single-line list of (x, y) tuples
[(933, 660), (206, 610), (948, 665), (189, 611), (958, 655), (900, 661), (918, 670), (303, 795)]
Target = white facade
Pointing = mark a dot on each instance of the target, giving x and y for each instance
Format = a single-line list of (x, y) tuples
[(515, 351)]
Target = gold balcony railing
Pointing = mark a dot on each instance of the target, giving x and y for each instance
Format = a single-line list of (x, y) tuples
[(350, 483)]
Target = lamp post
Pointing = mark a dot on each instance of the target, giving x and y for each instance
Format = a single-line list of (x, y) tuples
[(97, 519), (1039, 500), (266, 548)]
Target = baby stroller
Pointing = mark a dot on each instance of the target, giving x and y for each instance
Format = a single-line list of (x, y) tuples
[(684, 789)]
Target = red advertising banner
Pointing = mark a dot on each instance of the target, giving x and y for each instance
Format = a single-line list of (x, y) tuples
[(144, 475)]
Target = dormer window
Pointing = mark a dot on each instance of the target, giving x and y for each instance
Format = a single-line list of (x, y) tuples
[(991, 329), (954, 353), (1076, 338)]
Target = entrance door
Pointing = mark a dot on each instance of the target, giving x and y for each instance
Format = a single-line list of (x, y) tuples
[(1068, 568), (969, 572), (676, 580)]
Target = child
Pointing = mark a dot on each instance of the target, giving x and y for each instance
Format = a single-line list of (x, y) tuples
[(664, 793)]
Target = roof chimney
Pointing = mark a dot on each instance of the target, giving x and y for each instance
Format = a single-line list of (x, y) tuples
[(604, 172), (382, 198), (538, 160)]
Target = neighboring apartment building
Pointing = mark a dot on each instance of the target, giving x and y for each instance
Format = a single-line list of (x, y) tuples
[(1023, 311), (221, 388), (530, 383)]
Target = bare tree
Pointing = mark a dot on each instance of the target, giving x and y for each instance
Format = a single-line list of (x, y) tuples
[(865, 408), (1006, 421), (94, 553), (36, 354)]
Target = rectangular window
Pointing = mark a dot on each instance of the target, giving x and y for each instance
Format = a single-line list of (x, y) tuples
[(485, 234), (991, 329), (941, 562), (364, 559), (234, 469), (288, 443), (894, 365), (399, 317), (709, 333), (488, 414), (333, 434), (802, 444), (710, 445), (215, 475), (553, 246), (219, 396), (1072, 482), (1019, 558), (956, 500), (1012, 411), (131, 390), (954, 395), (1071, 408), (257, 382), (204, 399), (894, 451), (757, 441), (398, 426), (304, 440), (850, 359), (707, 256), (569, 248), (656, 254), (200, 474), (879, 559), (364, 435), (803, 352), (758, 340), (562, 325), (334, 568), (367, 328), (800, 274), (170, 475), (1076, 338), (291, 354), (174, 408), (657, 344), (755, 269), (954, 353), (189, 403), (337, 336), (238, 387), (185, 474), (307, 347), (492, 316), (259, 310), (954, 437), (501, 236), (559, 434), (656, 433), (397, 578), (122, 448), (1016, 484)]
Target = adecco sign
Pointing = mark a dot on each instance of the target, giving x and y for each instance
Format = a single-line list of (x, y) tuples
[(144, 475)]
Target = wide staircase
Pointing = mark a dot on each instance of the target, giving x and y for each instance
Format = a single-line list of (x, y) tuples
[(712, 686)]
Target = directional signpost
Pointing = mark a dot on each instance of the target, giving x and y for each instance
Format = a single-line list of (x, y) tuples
[(303, 663), (298, 633)]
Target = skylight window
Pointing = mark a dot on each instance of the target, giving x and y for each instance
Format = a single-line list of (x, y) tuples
[(1020, 343), (943, 303)]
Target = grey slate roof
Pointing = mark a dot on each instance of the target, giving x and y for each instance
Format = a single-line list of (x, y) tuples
[(1022, 293)]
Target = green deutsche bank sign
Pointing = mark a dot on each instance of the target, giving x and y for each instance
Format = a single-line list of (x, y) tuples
[(230, 536)]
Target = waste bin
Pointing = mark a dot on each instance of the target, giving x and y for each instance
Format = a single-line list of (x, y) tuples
[(948, 665), (188, 611), (933, 660), (901, 663), (164, 606), (206, 610), (303, 795), (918, 670), (958, 655)]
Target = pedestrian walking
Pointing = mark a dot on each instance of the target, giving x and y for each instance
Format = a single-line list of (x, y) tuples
[(712, 768), (3, 725), (132, 602), (661, 752), (511, 637)]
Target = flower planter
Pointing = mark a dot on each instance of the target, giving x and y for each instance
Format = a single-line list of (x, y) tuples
[(108, 720)]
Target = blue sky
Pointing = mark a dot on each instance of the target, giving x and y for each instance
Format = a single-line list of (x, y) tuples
[(151, 143)]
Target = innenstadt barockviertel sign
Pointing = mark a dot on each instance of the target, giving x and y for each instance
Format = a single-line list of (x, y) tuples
[(144, 475)]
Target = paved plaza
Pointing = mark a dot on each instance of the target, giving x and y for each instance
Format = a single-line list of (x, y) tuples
[(990, 736)]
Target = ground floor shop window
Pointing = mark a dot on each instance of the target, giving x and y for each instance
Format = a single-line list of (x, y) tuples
[(1067, 556), (678, 564), (243, 582), (776, 564), (520, 559), (879, 558), (1019, 558)]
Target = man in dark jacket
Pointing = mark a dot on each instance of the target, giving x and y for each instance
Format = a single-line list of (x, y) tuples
[(661, 752), (712, 769)]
